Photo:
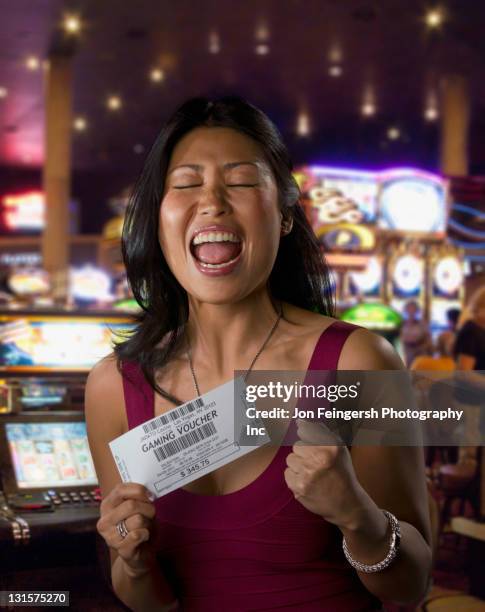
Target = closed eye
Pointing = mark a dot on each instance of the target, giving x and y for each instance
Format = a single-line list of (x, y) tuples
[(187, 186), (243, 185)]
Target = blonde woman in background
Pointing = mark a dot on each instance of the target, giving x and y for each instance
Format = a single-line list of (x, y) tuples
[(469, 353)]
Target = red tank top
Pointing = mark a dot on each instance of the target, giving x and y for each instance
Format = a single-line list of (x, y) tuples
[(257, 548)]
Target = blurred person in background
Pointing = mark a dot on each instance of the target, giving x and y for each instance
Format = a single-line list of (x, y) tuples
[(446, 339), (469, 352), (469, 347), (442, 357), (415, 336)]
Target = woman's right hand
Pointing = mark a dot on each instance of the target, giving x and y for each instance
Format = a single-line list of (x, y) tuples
[(130, 502)]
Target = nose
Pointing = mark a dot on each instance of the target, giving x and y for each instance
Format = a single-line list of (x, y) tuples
[(213, 201)]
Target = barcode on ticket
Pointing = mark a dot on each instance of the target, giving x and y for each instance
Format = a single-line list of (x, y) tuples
[(173, 415), (185, 441)]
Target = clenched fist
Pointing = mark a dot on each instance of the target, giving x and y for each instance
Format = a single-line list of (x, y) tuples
[(321, 475)]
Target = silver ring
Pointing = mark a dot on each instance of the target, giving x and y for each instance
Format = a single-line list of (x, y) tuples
[(122, 529)]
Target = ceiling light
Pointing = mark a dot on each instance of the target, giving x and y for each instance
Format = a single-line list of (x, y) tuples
[(32, 62), (3, 92), (113, 103), (214, 43), (72, 24), (431, 106), (431, 113), (394, 133), (335, 71), (368, 106), (80, 124), (157, 75), (335, 54), (368, 109), (262, 32), (434, 18), (261, 49), (303, 124)]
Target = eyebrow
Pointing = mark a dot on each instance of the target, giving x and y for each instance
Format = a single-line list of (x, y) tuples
[(232, 165), (228, 166)]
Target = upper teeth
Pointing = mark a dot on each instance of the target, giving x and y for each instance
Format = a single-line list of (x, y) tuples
[(215, 237)]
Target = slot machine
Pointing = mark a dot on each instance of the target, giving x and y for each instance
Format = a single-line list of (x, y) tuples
[(49, 487), (413, 212), (446, 284), (368, 284), (341, 207), (48, 476), (406, 277)]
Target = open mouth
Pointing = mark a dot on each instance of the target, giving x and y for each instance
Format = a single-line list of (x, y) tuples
[(216, 249)]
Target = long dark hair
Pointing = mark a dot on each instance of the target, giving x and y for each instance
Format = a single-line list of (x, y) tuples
[(299, 276)]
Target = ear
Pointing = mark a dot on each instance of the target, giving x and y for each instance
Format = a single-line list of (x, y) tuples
[(286, 225)]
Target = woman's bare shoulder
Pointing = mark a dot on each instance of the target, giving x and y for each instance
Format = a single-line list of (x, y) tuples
[(105, 373), (363, 349), (104, 392), (367, 350)]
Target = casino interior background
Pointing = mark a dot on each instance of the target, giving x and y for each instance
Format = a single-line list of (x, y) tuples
[(382, 107)]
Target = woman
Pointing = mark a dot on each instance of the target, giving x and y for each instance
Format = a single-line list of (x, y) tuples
[(469, 347), (265, 531), (469, 352)]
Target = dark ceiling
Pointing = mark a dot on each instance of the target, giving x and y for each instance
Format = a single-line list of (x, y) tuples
[(382, 47)]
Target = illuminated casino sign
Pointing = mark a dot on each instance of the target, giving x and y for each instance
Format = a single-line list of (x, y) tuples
[(29, 259), (346, 237), (401, 200), (448, 276), (336, 195), (408, 275), (90, 283), (367, 282), (373, 316), (29, 281), (22, 213), (412, 202)]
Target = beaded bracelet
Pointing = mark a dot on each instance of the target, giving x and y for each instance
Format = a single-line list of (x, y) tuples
[(393, 548)]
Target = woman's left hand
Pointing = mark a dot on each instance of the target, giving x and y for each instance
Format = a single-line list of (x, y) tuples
[(322, 478)]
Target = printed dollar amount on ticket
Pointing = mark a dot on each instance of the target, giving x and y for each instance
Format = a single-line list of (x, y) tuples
[(187, 442)]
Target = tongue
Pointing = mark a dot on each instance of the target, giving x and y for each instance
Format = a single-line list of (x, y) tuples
[(217, 252)]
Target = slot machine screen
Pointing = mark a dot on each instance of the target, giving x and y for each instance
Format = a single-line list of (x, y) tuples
[(40, 395), (49, 343), (47, 454)]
